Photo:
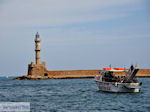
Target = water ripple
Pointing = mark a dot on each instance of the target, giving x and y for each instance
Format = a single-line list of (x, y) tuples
[(73, 95)]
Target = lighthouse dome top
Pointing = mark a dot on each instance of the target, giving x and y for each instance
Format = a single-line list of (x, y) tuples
[(37, 37)]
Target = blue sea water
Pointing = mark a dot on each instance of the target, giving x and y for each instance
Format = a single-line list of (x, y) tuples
[(73, 95)]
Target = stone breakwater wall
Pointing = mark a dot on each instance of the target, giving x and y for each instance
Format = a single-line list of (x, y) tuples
[(141, 73), (71, 74)]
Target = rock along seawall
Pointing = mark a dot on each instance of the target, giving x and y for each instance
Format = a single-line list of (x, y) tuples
[(72, 74)]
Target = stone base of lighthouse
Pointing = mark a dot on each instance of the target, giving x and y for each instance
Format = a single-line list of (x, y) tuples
[(37, 70)]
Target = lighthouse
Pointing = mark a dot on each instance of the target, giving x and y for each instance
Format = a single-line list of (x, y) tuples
[(37, 69), (37, 48)]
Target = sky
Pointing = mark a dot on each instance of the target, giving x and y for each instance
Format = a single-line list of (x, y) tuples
[(75, 34)]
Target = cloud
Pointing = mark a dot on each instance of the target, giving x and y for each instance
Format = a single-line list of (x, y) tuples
[(60, 12)]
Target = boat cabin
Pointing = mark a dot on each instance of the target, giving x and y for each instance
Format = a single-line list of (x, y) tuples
[(108, 74)]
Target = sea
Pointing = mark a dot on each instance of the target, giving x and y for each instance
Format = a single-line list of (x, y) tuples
[(73, 95)]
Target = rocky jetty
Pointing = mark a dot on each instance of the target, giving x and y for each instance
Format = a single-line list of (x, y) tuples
[(76, 74)]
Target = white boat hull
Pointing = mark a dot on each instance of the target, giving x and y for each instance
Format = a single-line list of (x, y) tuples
[(118, 87)]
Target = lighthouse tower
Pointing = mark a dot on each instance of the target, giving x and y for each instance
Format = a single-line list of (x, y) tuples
[(37, 69), (37, 48)]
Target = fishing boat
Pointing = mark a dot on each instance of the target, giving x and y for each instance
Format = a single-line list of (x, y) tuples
[(109, 82)]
